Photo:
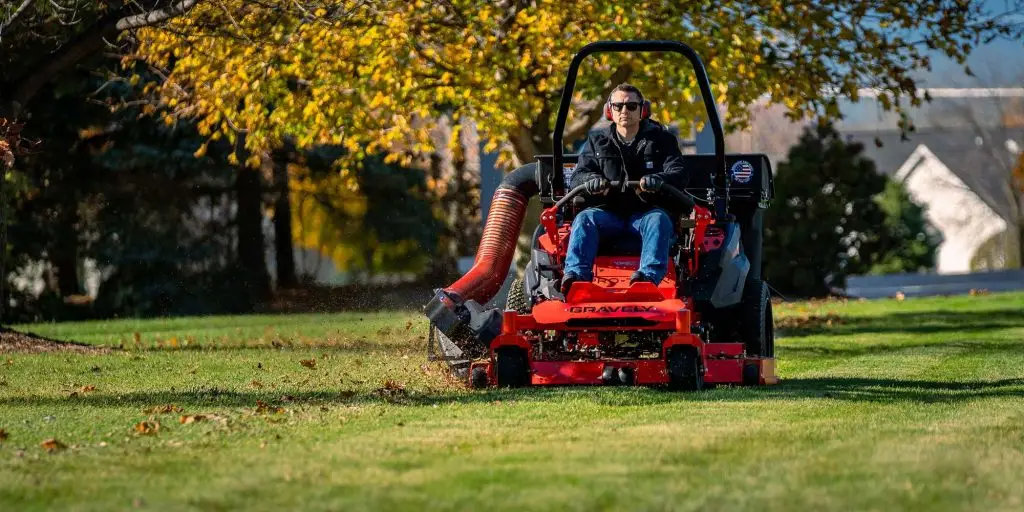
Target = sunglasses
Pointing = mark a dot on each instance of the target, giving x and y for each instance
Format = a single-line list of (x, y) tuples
[(630, 106)]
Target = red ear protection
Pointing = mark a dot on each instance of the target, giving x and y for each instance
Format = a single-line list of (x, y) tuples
[(645, 110)]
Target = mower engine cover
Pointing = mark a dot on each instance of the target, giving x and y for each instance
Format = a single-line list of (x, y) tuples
[(734, 266)]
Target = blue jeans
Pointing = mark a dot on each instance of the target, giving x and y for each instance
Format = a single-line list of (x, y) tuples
[(652, 231)]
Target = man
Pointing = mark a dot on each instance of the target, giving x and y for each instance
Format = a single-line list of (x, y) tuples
[(633, 148)]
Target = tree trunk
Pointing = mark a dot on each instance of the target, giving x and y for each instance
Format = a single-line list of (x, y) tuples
[(64, 256), (250, 245), (283, 247)]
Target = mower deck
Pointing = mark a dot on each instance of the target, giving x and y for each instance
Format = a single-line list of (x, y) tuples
[(746, 371), (611, 305)]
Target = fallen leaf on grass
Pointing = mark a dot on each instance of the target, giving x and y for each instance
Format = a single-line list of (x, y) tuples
[(52, 445), (147, 427), (263, 408), (163, 409), (86, 389), (308, 363), (185, 420), (391, 390)]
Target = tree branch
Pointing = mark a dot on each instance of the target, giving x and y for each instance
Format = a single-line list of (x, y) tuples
[(14, 16), (594, 113), (86, 44), (156, 16)]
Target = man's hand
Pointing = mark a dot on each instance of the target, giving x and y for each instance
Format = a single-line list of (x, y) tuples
[(597, 186), (651, 183)]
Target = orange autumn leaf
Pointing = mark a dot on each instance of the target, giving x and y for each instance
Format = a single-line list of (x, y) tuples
[(147, 427), (185, 420), (52, 445), (263, 408)]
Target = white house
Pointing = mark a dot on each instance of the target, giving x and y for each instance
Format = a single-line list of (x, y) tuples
[(963, 182)]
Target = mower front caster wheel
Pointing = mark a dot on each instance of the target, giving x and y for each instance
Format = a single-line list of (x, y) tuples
[(511, 367), (684, 369)]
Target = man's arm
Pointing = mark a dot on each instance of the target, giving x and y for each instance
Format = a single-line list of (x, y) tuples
[(672, 171), (587, 167)]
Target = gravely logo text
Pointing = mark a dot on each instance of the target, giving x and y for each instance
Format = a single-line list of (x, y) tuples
[(612, 309)]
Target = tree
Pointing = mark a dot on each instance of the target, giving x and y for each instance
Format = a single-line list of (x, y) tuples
[(125, 192), (385, 226), (374, 76), (39, 42), (43, 40), (837, 216), (908, 243)]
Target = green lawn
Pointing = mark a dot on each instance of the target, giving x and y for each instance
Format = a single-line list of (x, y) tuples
[(884, 405)]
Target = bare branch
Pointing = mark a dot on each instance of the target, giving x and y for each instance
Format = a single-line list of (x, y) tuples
[(156, 16), (14, 16)]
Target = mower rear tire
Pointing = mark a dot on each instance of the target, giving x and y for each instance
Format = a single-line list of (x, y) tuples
[(756, 329), (511, 367), (517, 300), (684, 369)]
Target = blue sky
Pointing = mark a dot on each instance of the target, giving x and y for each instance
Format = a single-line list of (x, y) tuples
[(996, 58), (997, 64)]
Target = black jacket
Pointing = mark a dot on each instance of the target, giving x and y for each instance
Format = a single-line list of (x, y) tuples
[(654, 150)]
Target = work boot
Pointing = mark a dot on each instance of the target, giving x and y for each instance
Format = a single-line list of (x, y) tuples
[(567, 280), (640, 277)]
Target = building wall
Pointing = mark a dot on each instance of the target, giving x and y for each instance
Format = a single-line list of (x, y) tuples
[(964, 220)]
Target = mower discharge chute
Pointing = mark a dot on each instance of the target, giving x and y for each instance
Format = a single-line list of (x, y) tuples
[(708, 321)]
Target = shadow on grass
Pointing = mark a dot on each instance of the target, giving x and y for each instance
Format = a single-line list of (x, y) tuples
[(357, 346), (922, 322), (837, 388), (854, 349)]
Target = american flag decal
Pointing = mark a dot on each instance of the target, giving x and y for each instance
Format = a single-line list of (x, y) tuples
[(742, 171)]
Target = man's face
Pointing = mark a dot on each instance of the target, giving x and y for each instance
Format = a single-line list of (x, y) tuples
[(622, 102)]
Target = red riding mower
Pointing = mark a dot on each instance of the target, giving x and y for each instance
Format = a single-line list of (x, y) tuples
[(709, 320)]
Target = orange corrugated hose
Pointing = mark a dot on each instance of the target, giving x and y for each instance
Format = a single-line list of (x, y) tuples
[(497, 246)]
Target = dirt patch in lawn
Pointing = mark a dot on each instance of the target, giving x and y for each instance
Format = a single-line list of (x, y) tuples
[(14, 341)]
